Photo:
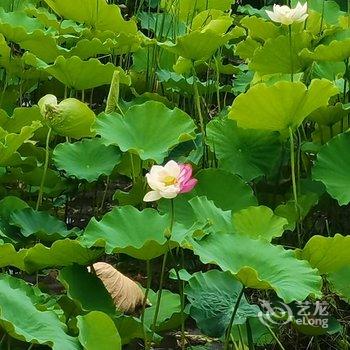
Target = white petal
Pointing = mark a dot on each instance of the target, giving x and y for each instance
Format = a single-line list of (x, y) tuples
[(273, 16), (156, 169), (302, 18), (172, 168), (152, 196), (153, 182), (170, 191)]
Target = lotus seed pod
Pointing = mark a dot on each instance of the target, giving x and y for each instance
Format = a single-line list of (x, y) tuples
[(70, 118)]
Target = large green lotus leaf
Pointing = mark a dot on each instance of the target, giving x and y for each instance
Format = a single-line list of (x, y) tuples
[(213, 296), (62, 253), (330, 255), (274, 56), (86, 289), (280, 106), (87, 159), (258, 28), (10, 142), (96, 14), (97, 331), (332, 168), (78, 74), (187, 9), (140, 234), (40, 224), (145, 130), (37, 327), (246, 152), (10, 257), (259, 222), (259, 264), (169, 311)]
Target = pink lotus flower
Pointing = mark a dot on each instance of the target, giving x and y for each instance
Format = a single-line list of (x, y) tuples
[(169, 180)]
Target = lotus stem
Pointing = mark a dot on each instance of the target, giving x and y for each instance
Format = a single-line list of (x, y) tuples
[(229, 328), (159, 295), (198, 102), (46, 164), (249, 335), (275, 337), (160, 290), (291, 52), (148, 287), (104, 193)]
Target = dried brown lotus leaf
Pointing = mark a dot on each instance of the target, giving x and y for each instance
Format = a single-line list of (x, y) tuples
[(126, 294)]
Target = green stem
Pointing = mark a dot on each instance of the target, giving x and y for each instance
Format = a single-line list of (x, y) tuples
[(229, 328), (159, 295), (294, 182), (104, 194), (148, 287), (322, 17), (46, 164), (198, 103), (291, 53), (160, 290), (275, 337), (249, 336)]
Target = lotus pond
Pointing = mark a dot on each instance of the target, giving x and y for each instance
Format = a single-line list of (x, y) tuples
[(174, 174)]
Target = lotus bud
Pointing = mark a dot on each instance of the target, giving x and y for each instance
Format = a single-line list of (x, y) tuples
[(70, 118)]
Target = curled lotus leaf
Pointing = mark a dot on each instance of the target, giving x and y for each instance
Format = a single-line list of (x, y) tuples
[(70, 117), (289, 103)]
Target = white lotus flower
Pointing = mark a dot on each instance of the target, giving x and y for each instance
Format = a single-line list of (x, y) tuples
[(169, 180), (286, 15)]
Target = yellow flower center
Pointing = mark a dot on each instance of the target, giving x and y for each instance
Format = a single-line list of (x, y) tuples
[(169, 180)]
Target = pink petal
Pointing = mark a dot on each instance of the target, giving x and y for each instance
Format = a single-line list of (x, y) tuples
[(186, 172), (188, 186)]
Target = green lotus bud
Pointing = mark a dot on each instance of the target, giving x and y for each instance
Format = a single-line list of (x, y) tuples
[(70, 118)]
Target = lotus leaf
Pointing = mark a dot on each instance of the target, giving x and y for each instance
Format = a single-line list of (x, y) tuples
[(332, 168), (289, 104), (144, 130), (87, 159), (259, 264), (97, 331), (213, 296)]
